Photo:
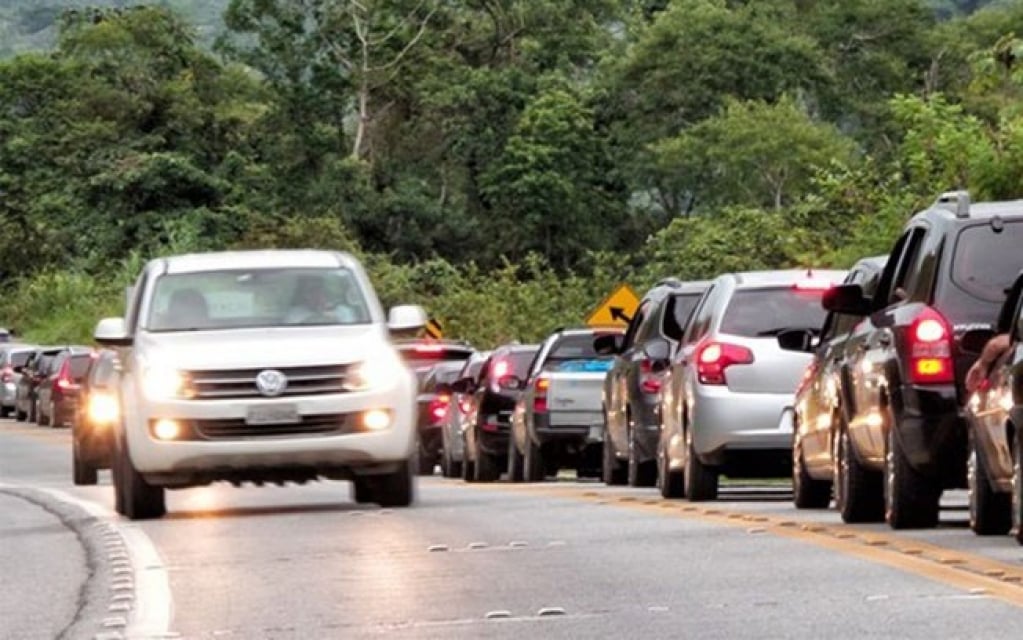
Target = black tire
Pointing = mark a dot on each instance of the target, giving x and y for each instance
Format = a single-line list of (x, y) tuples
[(1017, 486), (54, 415), (5, 411), (468, 470), (990, 510), (449, 467), (515, 462), (639, 474), (701, 481), (362, 490), (807, 492), (533, 463), (426, 462), (20, 415), (115, 476), (395, 489), (82, 473), (141, 500), (612, 471), (41, 420), (672, 484), (911, 500), (859, 491), (488, 468)]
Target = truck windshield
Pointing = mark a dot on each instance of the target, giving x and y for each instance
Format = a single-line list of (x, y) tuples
[(256, 298)]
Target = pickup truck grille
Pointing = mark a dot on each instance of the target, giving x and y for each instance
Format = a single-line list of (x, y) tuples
[(241, 383), (237, 428)]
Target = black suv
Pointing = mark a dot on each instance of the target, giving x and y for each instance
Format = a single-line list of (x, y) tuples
[(494, 396), (633, 385), (904, 365)]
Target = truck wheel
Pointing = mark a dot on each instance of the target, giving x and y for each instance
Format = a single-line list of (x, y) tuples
[(911, 500), (671, 483), (141, 500), (5, 411), (515, 462), (807, 492), (487, 467), (362, 490), (448, 466), (426, 462), (395, 489), (533, 462), (82, 473), (1017, 486), (701, 481), (990, 510), (859, 492), (20, 415), (640, 474)]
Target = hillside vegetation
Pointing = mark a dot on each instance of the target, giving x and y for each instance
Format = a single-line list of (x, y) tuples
[(504, 162)]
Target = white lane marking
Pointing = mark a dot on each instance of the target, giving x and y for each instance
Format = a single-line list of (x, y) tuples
[(154, 605)]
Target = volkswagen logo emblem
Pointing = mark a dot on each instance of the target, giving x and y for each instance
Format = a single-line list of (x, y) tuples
[(271, 382)]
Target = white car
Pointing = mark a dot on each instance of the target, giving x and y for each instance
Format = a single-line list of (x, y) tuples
[(262, 366)]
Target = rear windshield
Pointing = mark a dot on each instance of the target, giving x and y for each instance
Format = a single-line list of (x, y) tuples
[(19, 358), (576, 353), (986, 263), (760, 313), (518, 362), (80, 366)]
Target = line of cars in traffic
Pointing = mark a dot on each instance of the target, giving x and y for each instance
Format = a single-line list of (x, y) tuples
[(851, 381)]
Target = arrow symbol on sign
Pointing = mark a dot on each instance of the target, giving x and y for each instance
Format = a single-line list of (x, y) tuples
[(617, 313)]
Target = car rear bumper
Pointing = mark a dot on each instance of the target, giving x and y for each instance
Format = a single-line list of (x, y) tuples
[(932, 433), (723, 419), (586, 426)]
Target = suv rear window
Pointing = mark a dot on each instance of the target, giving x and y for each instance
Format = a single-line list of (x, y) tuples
[(575, 347), (760, 313), (518, 362), (986, 262)]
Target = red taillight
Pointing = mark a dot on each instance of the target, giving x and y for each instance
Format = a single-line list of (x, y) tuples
[(63, 380), (714, 357), (439, 408), (812, 286), (540, 387), (7, 374), (649, 380), (930, 349)]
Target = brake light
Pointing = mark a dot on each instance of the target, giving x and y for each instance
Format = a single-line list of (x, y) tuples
[(7, 374), (63, 381), (714, 357), (439, 408), (540, 387), (428, 348), (930, 349), (649, 380), (811, 286)]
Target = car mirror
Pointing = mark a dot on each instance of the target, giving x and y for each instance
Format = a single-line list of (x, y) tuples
[(847, 299), (974, 340), (406, 317), (608, 344), (112, 332), (796, 340)]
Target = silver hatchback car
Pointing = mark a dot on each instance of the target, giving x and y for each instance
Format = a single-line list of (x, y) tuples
[(732, 380)]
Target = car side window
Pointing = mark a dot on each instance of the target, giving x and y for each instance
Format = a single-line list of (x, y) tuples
[(135, 307), (634, 324), (906, 266), (650, 326), (703, 316)]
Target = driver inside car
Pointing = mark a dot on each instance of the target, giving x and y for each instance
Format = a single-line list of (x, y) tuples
[(311, 305)]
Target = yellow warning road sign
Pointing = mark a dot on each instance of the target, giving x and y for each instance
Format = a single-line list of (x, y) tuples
[(434, 329), (616, 310)]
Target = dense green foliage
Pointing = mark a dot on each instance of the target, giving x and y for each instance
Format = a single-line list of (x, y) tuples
[(504, 162)]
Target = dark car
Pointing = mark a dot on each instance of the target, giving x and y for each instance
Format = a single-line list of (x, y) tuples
[(493, 400), (434, 402), (32, 374), (421, 354), (816, 411), (460, 415), (57, 394), (633, 385), (12, 360), (98, 410), (903, 383)]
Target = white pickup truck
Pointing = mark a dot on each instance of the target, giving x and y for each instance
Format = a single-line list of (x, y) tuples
[(558, 421), (261, 366)]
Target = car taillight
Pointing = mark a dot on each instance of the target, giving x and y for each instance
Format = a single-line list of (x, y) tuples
[(540, 387), (714, 357), (7, 374), (649, 380), (464, 404), (930, 349), (439, 408), (63, 380)]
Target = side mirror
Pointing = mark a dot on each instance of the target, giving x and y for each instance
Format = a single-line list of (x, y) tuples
[(608, 344), (406, 317), (847, 299), (796, 340), (658, 351), (112, 332), (973, 341)]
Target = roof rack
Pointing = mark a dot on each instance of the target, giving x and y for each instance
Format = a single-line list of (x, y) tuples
[(958, 202)]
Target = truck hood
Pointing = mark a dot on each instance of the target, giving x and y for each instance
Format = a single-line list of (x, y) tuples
[(263, 347)]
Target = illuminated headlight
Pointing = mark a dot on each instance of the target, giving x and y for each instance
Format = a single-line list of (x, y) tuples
[(162, 383), (103, 408), (377, 372)]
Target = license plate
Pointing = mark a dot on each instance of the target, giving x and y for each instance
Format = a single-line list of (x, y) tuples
[(273, 414)]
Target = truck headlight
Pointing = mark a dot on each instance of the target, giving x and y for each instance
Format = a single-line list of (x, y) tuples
[(161, 383), (376, 372)]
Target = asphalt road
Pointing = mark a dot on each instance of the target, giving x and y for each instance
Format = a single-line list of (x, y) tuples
[(555, 560)]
